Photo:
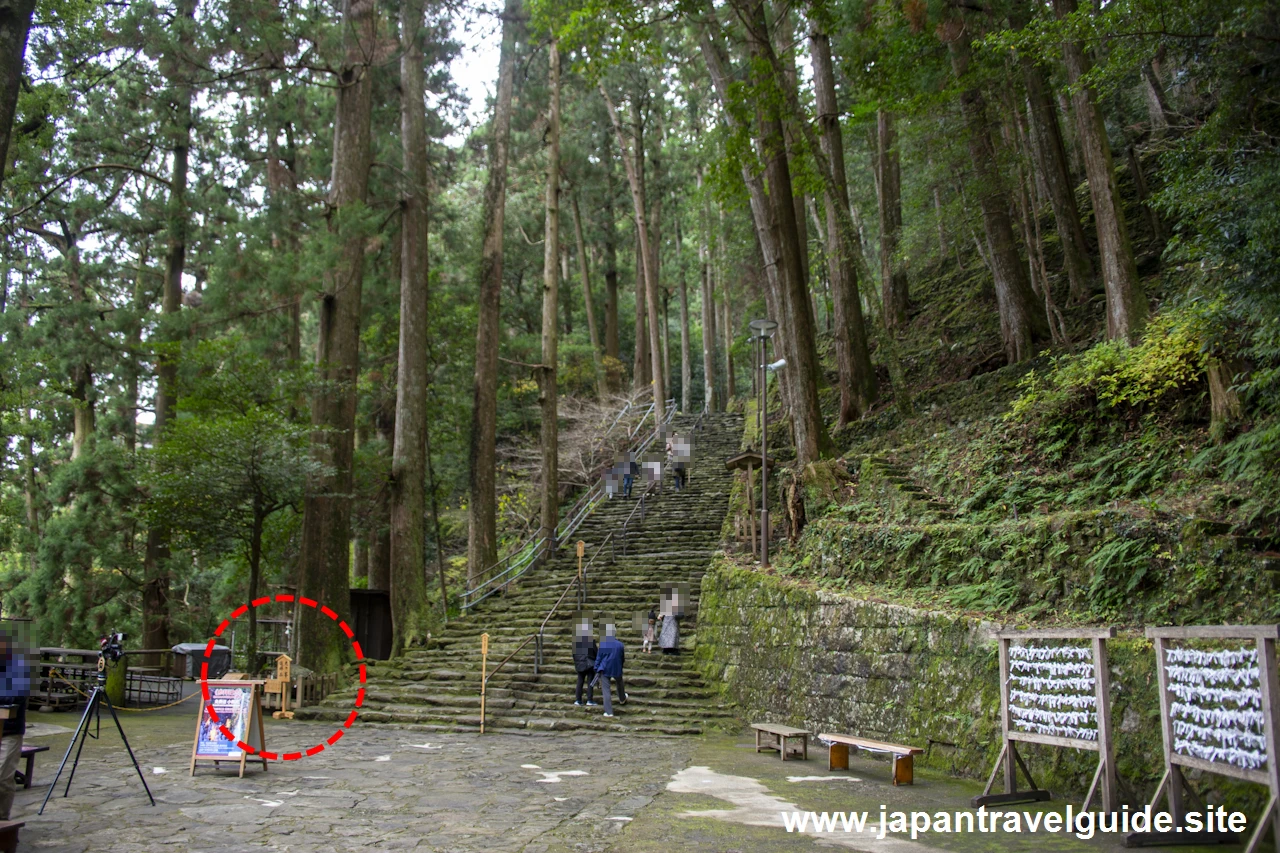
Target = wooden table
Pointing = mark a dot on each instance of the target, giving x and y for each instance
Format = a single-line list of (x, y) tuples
[(781, 734)]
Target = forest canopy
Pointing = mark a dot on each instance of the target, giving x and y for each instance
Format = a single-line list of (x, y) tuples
[(277, 314)]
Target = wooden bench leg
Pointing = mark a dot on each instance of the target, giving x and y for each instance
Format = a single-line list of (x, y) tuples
[(903, 770), (26, 777), (804, 745), (782, 746), (838, 757), (758, 741)]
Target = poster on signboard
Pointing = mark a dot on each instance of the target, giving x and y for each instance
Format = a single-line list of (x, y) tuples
[(237, 706)]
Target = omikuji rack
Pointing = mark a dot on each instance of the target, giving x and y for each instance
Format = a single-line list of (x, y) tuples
[(1264, 695), (1009, 758)]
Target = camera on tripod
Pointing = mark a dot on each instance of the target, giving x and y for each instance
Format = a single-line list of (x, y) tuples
[(111, 647)]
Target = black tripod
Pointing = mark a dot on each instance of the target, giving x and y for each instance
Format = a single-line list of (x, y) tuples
[(94, 708)]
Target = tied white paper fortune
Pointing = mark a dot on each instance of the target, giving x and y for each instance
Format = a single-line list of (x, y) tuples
[(1210, 720), (1232, 658), (1050, 653), (1044, 679), (1053, 668)]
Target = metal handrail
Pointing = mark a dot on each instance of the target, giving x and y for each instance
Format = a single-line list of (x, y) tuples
[(526, 556), (640, 508), (580, 582)]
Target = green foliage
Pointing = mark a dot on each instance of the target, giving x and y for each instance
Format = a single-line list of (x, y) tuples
[(1112, 381)]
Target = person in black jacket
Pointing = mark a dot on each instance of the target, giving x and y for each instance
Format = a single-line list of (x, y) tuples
[(584, 659), (15, 686)]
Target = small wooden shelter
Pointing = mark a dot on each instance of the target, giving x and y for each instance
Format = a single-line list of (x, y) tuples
[(748, 461)]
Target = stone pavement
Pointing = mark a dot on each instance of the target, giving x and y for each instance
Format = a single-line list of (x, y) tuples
[(389, 788)]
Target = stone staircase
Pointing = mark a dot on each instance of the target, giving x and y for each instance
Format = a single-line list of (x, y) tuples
[(438, 688), (898, 477)]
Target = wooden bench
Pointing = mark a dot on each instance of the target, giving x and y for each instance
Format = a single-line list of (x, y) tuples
[(9, 835), (24, 777), (781, 734), (903, 762)]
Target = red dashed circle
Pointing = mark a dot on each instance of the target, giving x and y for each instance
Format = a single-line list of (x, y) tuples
[(204, 678)]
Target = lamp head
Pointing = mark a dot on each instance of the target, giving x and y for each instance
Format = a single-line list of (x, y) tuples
[(764, 328)]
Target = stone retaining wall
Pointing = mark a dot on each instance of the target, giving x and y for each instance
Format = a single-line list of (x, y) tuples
[(785, 653)]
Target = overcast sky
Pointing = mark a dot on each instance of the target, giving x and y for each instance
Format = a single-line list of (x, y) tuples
[(475, 70)]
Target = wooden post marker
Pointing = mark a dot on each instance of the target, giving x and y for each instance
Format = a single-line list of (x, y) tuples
[(279, 686), (1218, 708), (1056, 694), (484, 678), (239, 708)]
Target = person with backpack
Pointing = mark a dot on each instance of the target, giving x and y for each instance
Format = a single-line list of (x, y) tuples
[(584, 660)]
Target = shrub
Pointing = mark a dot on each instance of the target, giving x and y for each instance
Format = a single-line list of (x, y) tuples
[(1114, 383)]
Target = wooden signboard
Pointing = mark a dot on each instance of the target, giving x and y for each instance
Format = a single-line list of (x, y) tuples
[(1219, 698), (279, 686), (237, 706), (1054, 690)]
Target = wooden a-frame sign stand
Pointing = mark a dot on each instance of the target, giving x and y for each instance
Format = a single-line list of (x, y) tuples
[(254, 734), (1011, 761), (1174, 783)]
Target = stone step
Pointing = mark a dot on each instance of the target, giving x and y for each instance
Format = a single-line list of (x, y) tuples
[(437, 688)]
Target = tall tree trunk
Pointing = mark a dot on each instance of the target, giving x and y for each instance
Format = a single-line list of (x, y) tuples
[(666, 342), (807, 417), (255, 580), (83, 397), (858, 387), (566, 292), (796, 321), (1158, 234), (730, 389), (482, 508), (409, 450), (707, 284), (632, 161), (1126, 302), (550, 288), (686, 367), (15, 24), (597, 359), (380, 544), (893, 280), (763, 218), (326, 522), (1157, 102), (155, 587), (141, 305), (1021, 321), (610, 266), (1050, 154), (641, 368), (655, 245)]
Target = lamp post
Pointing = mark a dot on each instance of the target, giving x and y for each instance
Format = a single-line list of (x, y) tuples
[(764, 330)]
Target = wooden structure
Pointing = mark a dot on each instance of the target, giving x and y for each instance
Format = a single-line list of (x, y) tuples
[(1218, 712), (747, 462), (276, 689), (371, 621), (23, 777), (902, 756), (1056, 695), (238, 704), (780, 735)]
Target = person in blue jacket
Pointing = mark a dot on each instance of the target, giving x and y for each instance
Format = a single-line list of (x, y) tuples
[(609, 660)]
